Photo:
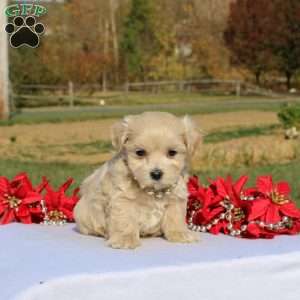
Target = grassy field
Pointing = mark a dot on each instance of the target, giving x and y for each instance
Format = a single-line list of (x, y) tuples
[(121, 98), (231, 138), (129, 98), (241, 136), (174, 103)]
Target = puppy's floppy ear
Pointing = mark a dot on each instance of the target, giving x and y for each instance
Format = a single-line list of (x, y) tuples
[(192, 136), (119, 133)]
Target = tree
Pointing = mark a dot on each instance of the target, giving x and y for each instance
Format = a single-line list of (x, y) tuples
[(165, 63), (285, 37), (247, 35), (139, 42), (83, 55), (207, 22)]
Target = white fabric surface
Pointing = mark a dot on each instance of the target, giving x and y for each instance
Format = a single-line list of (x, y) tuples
[(71, 266)]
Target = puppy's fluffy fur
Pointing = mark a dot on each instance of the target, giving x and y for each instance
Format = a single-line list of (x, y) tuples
[(122, 202)]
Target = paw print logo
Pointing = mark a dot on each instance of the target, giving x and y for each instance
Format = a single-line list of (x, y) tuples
[(24, 32)]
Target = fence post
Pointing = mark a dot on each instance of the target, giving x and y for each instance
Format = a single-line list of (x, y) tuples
[(126, 87), (238, 89), (4, 97), (71, 94), (181, 85)]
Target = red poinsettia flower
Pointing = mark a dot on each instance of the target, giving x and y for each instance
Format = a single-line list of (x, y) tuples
[(60, 206), (230, 192), (227, 189), (273, 202), (210, 199), (18, 199), (263, 211), (199, 201)]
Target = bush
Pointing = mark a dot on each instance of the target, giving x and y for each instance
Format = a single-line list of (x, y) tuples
[(289, 115)]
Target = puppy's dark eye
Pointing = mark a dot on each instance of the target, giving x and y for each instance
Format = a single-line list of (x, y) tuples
[(140, 152), (172, 153)]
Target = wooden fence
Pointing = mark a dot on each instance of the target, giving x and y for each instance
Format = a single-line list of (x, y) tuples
[(90, 94)]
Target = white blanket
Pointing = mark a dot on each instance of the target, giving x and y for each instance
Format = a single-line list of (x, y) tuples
[(57, 263)]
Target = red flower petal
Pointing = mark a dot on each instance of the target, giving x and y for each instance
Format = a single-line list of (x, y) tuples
[(4, 185), (42, 185), (217, 228), (264, 184), (257, 208), (272, 214), (290, 210), (221, 187), (21, 185), (8, 217), (23, 211), (66, 185), (25, 219), (254, 231), (52, 198), (239, 185), (283, 188), (2, 209), (32, 198), (22, 178), (215, 212), (193, 184)]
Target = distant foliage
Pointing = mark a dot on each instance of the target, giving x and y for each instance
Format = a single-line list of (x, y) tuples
[(26, 67), (139, 42), (289, 116), (285, 37), (264, 35), (109, 42), (247, 35)]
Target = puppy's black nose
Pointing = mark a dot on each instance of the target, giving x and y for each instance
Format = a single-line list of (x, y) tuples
[(156, 174)]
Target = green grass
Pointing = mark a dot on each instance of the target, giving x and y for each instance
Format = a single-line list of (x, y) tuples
[(222, 136), (95, 147), (59, 172), (209, 105), (121, 98), (56, 172), (144, 98)]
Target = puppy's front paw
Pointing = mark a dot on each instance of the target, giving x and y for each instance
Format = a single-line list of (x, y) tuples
[(182, 237), (124, 242)]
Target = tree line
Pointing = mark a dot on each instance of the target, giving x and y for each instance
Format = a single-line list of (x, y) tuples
[(264, 36), (111, 42)]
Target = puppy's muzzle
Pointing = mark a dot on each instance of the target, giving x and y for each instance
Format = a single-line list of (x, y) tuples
[(156, 174)]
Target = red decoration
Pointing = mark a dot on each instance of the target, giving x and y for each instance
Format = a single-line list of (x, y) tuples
[(224, 206), (272, 205), (259, 212), (59, 207), (21, 202)]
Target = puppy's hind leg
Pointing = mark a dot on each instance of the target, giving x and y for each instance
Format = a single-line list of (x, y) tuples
[(90, 219)]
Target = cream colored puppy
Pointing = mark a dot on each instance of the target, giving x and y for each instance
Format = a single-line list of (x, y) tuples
[(142, 190)]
